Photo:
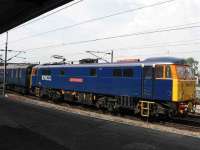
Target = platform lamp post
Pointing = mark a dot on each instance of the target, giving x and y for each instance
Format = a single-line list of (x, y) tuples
[(6, 59), (112, 56), (5, 64)]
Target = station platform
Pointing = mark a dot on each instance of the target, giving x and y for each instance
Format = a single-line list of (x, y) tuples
[(24, 126)]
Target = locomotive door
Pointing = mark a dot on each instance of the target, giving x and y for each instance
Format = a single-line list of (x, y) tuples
[(147, 82)]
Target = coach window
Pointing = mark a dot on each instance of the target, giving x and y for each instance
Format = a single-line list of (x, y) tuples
[(168, 71), (93, 72), (12, 73), (20, 73), (117, 72), (128, 73), (16, 73), (159, 71)]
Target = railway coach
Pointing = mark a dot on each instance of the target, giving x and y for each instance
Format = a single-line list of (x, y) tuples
[(17, 77), (152, 87)]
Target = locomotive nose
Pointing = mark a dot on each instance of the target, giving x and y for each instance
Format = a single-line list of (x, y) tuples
[(188, 90), (184, 84), (184, 90)]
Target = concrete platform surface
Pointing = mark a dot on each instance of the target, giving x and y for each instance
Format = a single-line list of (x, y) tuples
[(24, 126)]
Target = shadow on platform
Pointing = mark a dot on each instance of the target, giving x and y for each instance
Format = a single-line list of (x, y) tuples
[(24, 139)]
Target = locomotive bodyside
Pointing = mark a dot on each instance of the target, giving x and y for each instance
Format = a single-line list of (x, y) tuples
[(111, 85), (92, 79)]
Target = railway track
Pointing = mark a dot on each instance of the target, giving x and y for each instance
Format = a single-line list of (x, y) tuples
[(183, 123), (190, 123)]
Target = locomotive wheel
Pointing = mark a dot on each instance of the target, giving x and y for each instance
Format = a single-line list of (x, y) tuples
[(111, 106), (98, 105), (56, 96), (171, 113)]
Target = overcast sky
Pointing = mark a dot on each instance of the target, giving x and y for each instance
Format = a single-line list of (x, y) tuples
[(181, 43)]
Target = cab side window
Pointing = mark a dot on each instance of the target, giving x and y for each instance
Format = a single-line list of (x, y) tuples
[(168, 71), (159, 69), (12, 73)]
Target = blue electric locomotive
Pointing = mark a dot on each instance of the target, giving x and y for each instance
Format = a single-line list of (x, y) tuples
[(154, 86)]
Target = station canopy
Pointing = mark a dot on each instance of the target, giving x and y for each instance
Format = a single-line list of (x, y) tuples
[(16, 12)]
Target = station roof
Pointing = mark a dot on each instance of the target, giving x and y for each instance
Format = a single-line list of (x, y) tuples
[(16, 12)]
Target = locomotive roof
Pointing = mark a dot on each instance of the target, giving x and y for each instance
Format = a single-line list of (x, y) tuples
[(147, 62), (173, 60)]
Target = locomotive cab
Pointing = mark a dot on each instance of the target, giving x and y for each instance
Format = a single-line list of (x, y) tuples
[(180, 76), (184, 87), (183, 83), (172, 84)]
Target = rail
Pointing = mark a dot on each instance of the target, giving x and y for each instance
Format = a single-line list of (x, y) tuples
[(189, 123)]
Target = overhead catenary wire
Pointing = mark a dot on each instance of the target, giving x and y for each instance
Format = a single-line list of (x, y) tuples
[(167, 52), (74, 43), (159, 53), (164, 53), (137, 48), (94, 19), (156, 45), (140, 55), (115, 37)]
